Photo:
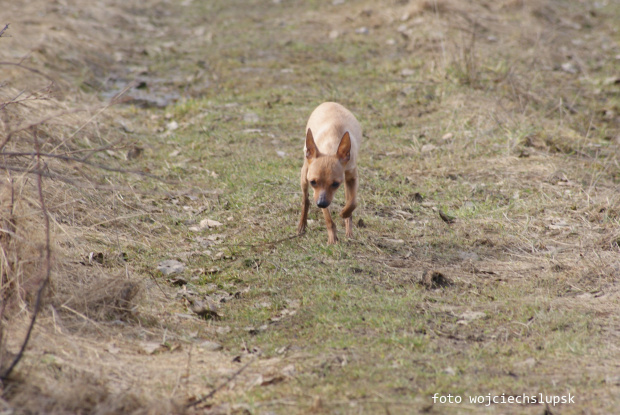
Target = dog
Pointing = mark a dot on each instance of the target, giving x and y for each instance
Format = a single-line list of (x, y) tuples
[(333, 138)]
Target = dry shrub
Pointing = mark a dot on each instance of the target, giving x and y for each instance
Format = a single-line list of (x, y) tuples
[(48, 157), (43, 144), (78, 393), (99, 297)]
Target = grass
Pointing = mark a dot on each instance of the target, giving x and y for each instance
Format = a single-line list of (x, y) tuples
[(484, 127)]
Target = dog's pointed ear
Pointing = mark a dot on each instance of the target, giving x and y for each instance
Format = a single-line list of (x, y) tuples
[(344, 149), (312, 151)]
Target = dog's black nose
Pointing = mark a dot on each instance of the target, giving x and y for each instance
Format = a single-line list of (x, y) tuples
[(322, 204)]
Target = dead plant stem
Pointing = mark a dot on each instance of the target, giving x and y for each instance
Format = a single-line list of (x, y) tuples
[(47, 269), (217, 389)]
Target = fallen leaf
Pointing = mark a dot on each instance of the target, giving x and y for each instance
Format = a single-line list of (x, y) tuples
[(446, 218)]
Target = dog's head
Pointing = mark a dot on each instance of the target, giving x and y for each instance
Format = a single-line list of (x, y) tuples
[(326, 172)]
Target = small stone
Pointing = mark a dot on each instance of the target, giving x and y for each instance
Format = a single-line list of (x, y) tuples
[(250, 117), (206, 309), (472, 315), (527, 363), (170, 266), (211, 346), (223, 330), (569, 67)]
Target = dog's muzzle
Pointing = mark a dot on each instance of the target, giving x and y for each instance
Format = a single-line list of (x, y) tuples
[(322, 203)]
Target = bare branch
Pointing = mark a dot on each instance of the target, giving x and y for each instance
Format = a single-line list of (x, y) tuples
[(88, 163), (48, 267), (29, 126), (219, 388), (33, 70)]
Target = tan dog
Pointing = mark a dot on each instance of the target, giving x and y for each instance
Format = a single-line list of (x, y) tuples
[(333, 138)]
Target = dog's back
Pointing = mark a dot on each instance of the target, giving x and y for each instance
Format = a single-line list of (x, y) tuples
[(328, 122)]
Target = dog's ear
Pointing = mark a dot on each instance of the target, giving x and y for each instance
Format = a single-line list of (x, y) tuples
[(344, 149), (312, 151)]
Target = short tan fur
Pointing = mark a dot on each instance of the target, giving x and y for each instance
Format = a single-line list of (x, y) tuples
[(333, 138)]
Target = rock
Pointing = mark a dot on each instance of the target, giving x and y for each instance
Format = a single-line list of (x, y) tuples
[(527, 363), (471, 256), (211, 346), (395, 241), (205, 309), (150, 347), (205, 224), (569, 67), (170, 266), (250, 117), (472, 315)]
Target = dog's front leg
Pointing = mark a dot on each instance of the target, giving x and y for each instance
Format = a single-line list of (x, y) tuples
[(350, 194), (331, 227), (305, 202)]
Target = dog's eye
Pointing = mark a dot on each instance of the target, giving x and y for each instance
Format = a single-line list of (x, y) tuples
[(312, 183), (335, 185)]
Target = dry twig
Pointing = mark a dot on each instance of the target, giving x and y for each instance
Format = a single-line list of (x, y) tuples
[(47, 269)]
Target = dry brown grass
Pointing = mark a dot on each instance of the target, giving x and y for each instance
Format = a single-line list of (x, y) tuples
[(531, 145)]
